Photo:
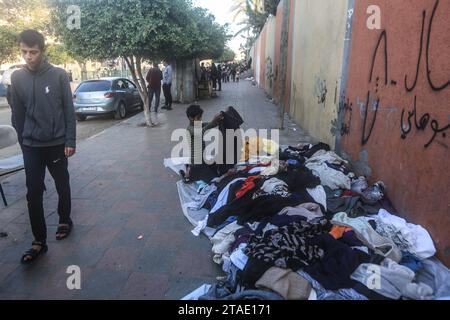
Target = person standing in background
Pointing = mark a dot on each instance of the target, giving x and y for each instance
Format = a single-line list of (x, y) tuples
[(154, 77), (233, 72), (214, 75), (224, 73), (167, 85), (219, 76)]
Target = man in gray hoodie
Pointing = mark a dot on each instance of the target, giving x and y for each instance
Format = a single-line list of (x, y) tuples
[(44, 118)]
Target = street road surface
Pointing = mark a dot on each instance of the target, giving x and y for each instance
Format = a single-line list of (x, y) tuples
[(86, 129)]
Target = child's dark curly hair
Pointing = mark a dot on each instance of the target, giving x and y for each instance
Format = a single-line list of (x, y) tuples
[(193, 111)]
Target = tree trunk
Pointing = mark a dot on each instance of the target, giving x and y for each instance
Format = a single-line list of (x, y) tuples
[(148, 117), (83, 70), (136, 71)]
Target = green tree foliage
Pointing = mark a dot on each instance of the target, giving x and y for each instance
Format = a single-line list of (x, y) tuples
[(210, 40), (25, 14), (16, 16), (228, 55), (253, 15), (58, 54), (270, 6), (8, 45), (139, 30)]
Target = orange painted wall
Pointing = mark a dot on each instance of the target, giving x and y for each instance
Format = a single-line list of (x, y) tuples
[(410, 154), (415, 167)]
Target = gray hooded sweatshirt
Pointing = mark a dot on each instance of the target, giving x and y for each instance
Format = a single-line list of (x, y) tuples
[(42, 108)]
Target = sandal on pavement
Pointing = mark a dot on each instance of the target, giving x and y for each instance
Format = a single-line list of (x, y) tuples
[(32, 254), (64, 231), (183, 176)]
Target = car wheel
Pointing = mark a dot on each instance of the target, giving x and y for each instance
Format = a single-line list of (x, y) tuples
[(81, 117), (121, 112)]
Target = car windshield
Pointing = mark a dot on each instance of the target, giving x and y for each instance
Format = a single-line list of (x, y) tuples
[(93, 86)]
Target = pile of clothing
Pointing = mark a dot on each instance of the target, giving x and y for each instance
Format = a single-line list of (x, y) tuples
[(304, 226)]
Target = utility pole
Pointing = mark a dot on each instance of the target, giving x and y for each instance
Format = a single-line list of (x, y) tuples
[(284, 58)]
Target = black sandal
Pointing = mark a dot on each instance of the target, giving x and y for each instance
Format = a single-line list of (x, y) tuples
[(183, 176), (64, 231), (33, 253)]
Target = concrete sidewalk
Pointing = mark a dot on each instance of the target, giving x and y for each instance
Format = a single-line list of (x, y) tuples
[(3, 102), (122, 191)]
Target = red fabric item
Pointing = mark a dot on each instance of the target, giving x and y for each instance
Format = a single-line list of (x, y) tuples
[(349, 193), (250, 167), (248, 185)]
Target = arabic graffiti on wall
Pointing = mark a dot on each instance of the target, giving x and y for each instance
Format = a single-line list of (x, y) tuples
[(411, 118)]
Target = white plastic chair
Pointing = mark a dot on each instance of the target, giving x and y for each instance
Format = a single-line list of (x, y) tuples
[(8, 137)]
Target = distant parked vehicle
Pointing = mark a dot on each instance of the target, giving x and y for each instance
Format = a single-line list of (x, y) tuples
[(115, 96), (5, 79), (2, 90)]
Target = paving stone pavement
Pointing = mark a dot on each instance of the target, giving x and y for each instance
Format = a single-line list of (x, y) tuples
[(120, 191)]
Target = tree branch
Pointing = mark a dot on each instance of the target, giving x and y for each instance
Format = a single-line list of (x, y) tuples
[(139, 70)]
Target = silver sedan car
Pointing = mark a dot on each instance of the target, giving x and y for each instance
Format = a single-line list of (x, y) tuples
[(115, 96)]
